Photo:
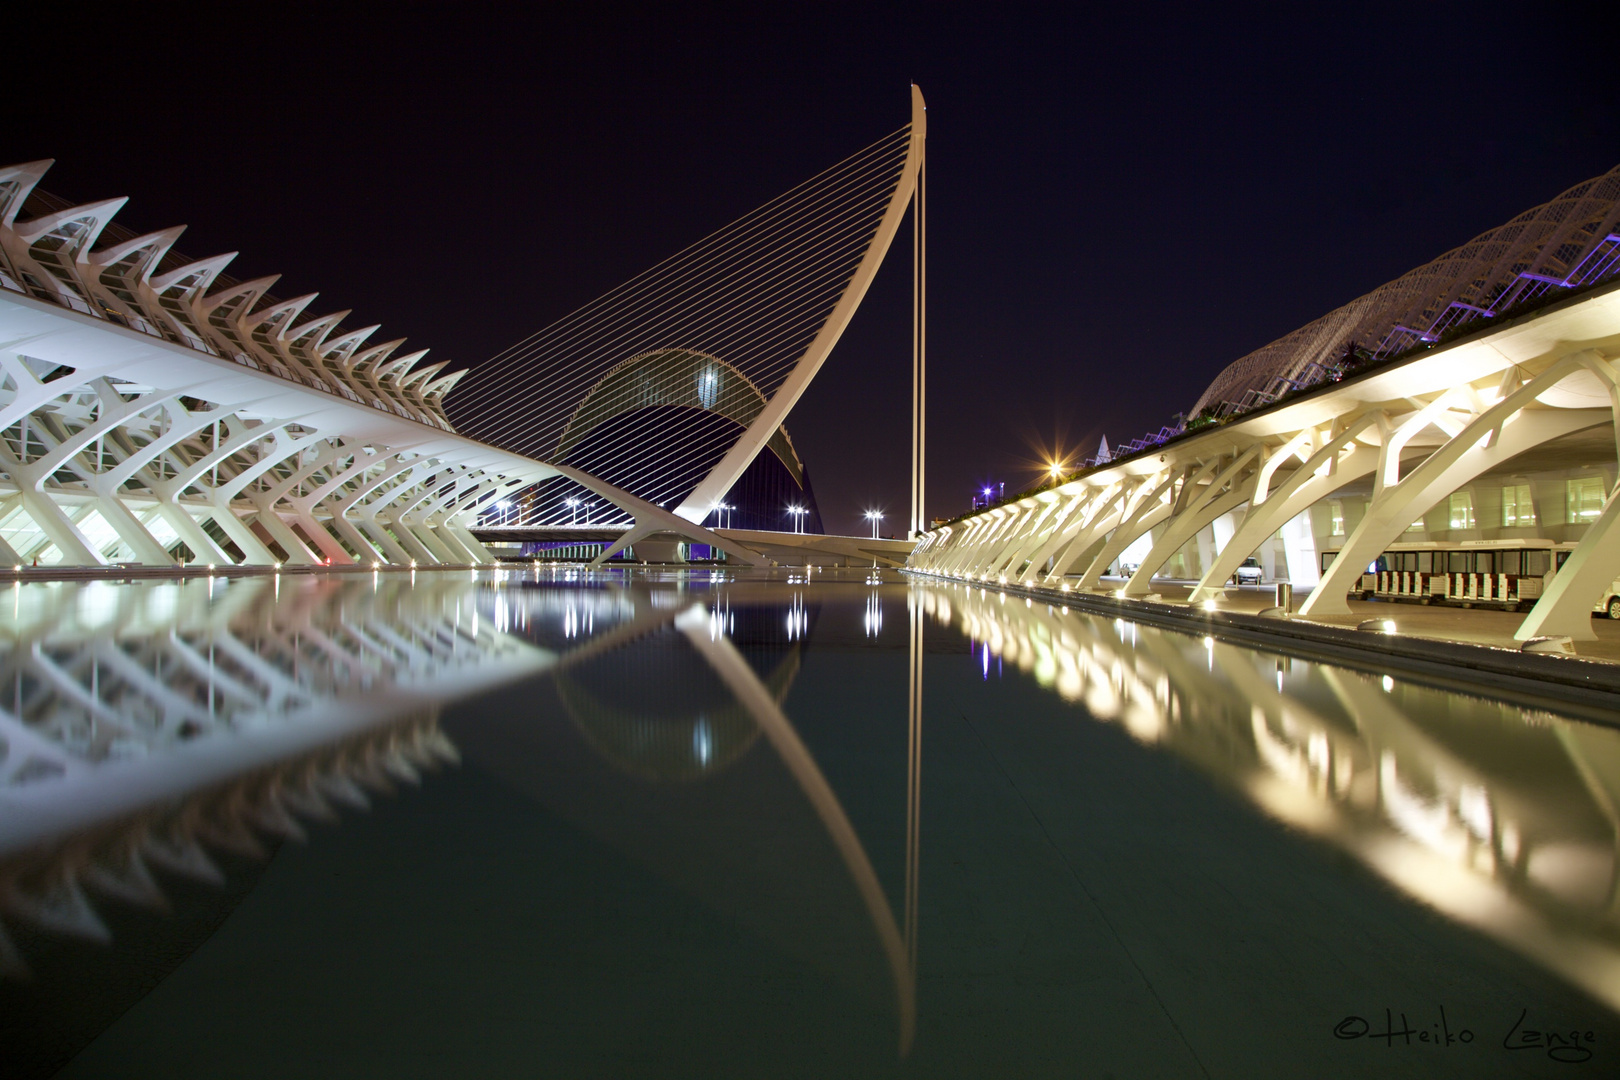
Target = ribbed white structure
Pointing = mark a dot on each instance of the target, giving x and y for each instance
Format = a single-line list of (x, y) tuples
[(150, 407)]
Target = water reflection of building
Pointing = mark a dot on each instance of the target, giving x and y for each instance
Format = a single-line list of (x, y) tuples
[(143, 724), (126, 860), (166, 731), (1504, 819)]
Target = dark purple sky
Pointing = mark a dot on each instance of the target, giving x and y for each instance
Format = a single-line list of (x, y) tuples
[(1119, 207)]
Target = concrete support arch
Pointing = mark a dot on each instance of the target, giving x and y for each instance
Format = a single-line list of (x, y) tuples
[(1500, 432), (1231, 488), (1339, 463)]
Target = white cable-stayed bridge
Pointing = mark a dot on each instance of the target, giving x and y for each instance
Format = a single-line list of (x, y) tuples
[(154, 411)]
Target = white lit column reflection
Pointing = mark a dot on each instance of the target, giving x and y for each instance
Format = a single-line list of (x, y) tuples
[(914, 608), (872, 618), (1474, 819)]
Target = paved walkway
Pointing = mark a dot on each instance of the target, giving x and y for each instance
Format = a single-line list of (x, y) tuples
[(1475, 626)]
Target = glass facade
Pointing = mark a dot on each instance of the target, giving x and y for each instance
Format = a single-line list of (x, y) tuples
[(1585, 498), (1517, 506), (1462, 510)]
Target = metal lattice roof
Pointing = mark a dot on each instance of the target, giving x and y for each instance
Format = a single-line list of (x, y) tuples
[(1569, 242)]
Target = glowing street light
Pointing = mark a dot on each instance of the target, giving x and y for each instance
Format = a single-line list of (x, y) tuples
[(798, 513), (1056, 469), (573, 509), (503, 506), (874, 516)]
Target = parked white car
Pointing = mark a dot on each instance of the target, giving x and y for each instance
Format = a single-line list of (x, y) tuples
[(1250, 573), (1609, 601)]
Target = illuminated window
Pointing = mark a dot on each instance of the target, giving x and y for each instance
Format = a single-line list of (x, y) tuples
[(1585, 498), (1462, 510), (1338, 519), (1517, 509)]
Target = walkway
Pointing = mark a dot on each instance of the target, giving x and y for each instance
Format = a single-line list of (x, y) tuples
[(1472, 626)]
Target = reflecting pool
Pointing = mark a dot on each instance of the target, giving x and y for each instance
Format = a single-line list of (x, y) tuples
[(828, 824)]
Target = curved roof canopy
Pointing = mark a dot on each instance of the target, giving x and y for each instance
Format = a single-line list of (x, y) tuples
[(1568, 242)]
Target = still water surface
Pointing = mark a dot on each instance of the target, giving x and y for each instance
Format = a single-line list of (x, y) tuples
[(536, 824)]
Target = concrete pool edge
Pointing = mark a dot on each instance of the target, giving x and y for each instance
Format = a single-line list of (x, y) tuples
[(1586, 688)]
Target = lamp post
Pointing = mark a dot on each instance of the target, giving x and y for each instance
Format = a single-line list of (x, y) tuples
[(573, 510), (503, 506), (874, 517), (798, 513)]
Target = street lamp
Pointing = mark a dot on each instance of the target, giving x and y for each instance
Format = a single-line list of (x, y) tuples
[(503, 506), (573, 510), (874, 516), (798, 513)]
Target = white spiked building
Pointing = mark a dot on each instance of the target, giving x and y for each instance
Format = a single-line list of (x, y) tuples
[(153, 409)]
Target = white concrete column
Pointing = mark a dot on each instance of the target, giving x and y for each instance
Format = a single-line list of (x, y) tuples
[(298, 553), (467, 540), (1148, 515), (1502, 431), (253, 549), (73, 544), (1187, 525), (1324, 472), (192, 533)]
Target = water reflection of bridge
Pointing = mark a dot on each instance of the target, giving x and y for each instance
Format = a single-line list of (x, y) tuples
[(1503, 819), (158, 731)]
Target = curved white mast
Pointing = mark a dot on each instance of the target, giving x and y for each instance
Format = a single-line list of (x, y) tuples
[(713, 487)]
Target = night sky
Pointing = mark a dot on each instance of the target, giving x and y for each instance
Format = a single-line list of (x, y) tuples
[(1118, 208)]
